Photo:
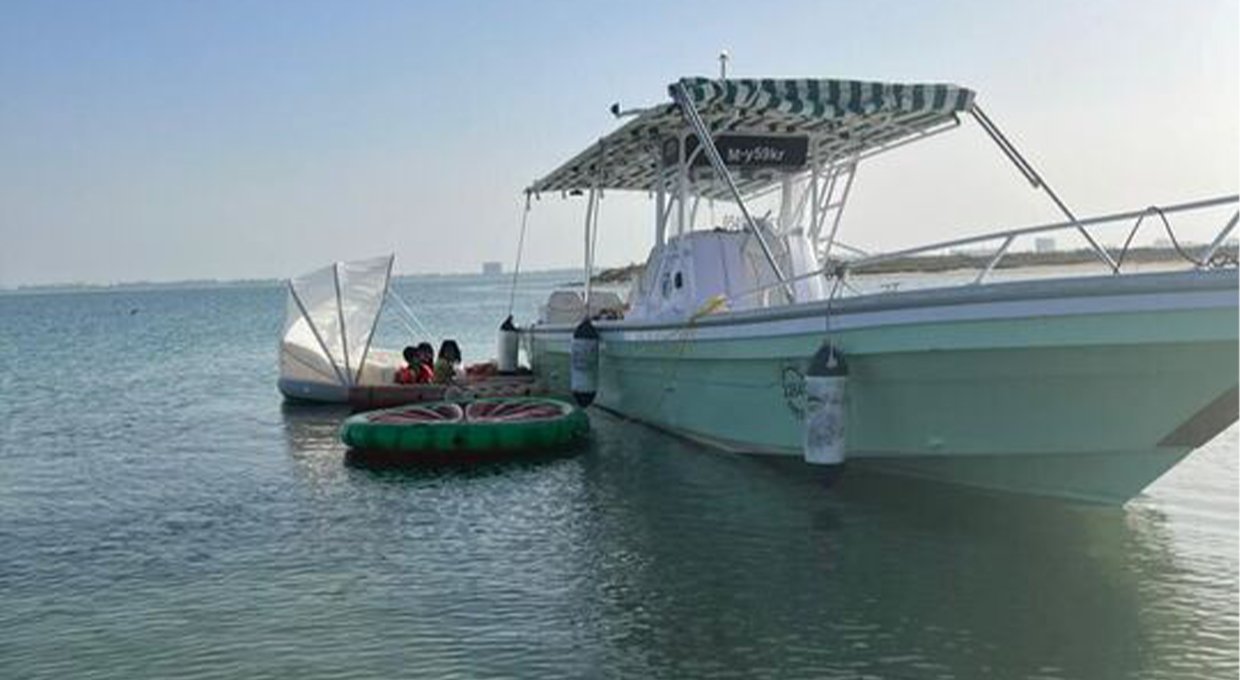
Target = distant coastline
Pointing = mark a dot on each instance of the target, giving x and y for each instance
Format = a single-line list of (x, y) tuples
[(138, 286), (927, 264), (211, 284)]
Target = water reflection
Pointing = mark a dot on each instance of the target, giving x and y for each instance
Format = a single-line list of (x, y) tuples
[(649, 556), (312, 428), (754, 567)]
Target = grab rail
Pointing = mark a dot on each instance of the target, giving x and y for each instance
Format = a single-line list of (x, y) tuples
[(841, 270), (1040, 229)]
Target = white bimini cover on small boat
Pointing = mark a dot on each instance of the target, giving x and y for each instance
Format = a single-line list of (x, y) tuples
[(329, 323)]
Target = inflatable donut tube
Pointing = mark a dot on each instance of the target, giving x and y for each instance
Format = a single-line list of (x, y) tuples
[(485, 426)]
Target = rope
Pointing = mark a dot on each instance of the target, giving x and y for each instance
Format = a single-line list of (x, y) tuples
[(681, 337), (414, 317), (413, 332), (1220, 260), (1170, 233), (516, 269)]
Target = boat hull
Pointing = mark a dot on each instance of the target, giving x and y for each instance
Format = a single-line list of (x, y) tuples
[(365, 397), (1086, 389)]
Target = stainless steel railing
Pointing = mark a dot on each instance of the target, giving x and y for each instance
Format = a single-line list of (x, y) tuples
[(840, 271)]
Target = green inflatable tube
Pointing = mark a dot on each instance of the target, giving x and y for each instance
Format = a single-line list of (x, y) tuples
[(481, 427)]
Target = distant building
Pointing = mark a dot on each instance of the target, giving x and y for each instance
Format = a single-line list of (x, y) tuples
[(492, 268), (1162, 243), (1044, 244)]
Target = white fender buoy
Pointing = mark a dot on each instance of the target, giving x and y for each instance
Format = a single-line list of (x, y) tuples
[(825, 381), (583, 363), (507, 351)]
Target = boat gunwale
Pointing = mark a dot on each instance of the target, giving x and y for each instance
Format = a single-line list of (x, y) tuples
[(1187, 281)]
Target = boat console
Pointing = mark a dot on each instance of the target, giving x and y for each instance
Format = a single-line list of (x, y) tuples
[(722, 270)]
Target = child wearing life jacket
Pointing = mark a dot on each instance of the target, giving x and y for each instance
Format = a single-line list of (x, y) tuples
[(407, 374), (426, 361), (449, 360), (417, 370)]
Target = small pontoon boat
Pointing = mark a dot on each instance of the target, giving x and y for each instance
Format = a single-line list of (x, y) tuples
[(326, 352)]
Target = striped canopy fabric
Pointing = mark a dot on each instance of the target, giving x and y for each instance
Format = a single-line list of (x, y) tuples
[(841, 119)]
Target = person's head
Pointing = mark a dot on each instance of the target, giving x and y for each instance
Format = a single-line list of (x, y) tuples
[(426, 353), (411, 355), (451, 351)]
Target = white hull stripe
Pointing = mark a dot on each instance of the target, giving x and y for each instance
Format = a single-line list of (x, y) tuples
[(822, 323)]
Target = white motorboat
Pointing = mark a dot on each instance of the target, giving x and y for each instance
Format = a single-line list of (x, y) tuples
[(1083, 386)]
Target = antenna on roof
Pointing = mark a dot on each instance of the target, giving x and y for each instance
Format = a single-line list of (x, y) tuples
[(621, 113), (723, 64)]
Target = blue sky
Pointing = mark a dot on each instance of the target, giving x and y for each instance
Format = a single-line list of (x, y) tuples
[(177, 139)]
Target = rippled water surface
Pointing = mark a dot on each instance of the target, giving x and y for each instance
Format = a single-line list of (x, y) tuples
[(163, 515)]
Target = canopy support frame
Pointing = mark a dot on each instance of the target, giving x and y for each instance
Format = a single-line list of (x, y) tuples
[(660, 203), (588, 264), (1035, 180), (344, 333), (374, 325), (315, 330), (707, 144)]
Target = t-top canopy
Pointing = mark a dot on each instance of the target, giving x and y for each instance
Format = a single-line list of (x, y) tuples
[(831, 120)]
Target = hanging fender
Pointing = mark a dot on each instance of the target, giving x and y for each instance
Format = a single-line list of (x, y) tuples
[(825, 414), (508, 347), (583, 363)]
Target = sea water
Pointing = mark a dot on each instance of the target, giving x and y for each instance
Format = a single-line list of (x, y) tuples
[(164, 515)]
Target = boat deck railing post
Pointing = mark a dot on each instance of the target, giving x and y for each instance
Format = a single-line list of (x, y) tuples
[(994, 260)]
